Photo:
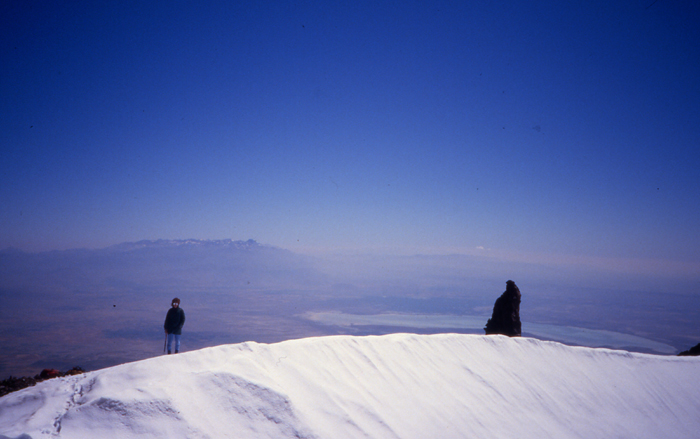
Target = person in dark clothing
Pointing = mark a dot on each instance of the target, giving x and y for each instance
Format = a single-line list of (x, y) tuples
[(174, 321)]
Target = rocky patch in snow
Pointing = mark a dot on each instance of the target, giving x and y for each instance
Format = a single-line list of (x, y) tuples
[(694, 351), (13, 384)]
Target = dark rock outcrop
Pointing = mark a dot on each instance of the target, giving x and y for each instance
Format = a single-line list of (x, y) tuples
[(692, 352), (506, 313), (13, 384)]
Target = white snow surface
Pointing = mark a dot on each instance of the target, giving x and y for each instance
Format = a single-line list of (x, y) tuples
[(393, 386)]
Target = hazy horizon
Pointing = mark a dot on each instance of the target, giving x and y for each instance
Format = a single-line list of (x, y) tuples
[(96, 308)]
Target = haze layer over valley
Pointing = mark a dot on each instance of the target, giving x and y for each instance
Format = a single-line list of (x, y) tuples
[(99, 308)]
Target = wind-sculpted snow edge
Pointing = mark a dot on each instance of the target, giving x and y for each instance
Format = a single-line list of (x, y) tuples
[(399, 385)]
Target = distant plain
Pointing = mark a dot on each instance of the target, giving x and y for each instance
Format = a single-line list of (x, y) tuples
[(99, 308)]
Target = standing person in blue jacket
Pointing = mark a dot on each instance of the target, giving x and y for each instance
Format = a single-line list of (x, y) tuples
[(174, 321)]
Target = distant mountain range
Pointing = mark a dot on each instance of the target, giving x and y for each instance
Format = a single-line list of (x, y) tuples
[(169, 243), (160, 264), (151, 244)]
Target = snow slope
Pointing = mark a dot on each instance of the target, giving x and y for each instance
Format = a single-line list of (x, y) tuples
[(394, 386)]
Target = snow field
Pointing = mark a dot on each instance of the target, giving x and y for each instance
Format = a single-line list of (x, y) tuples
[(394, 386)]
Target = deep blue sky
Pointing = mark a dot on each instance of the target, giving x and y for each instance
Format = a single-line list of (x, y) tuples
[(536, 130)]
